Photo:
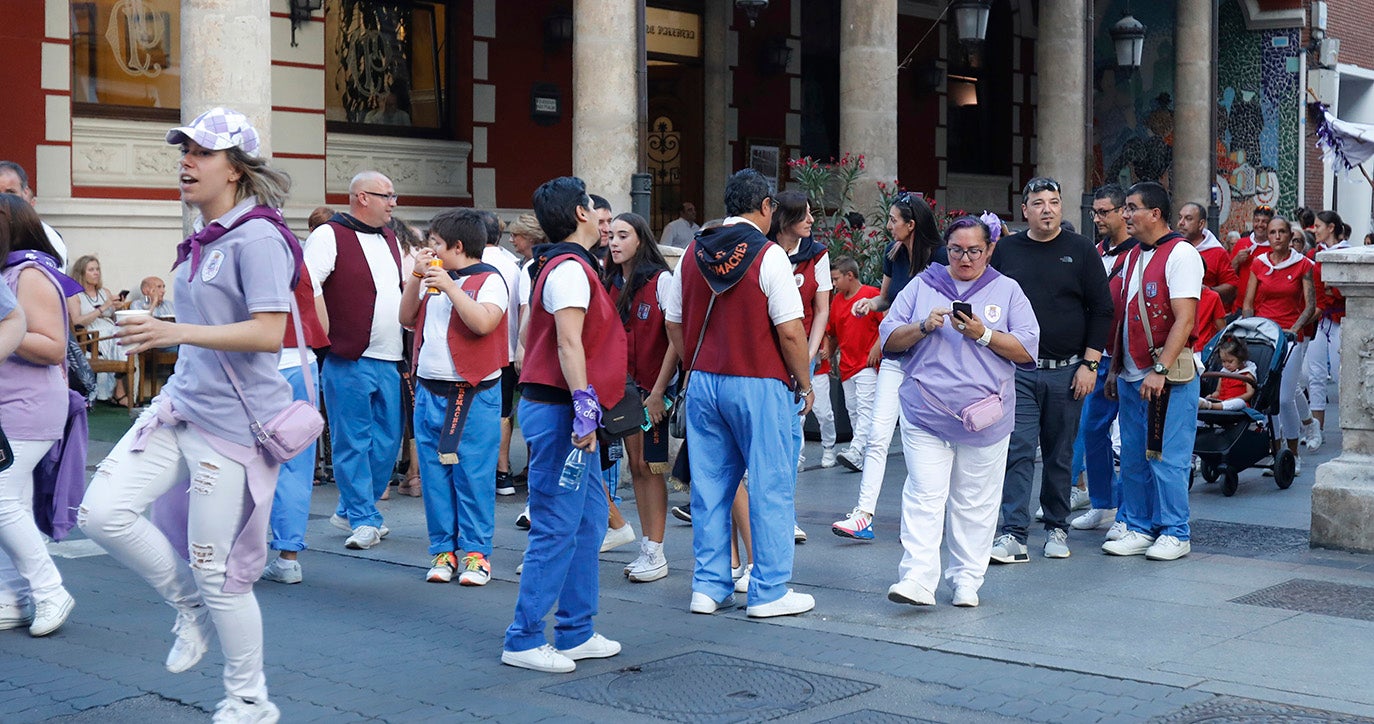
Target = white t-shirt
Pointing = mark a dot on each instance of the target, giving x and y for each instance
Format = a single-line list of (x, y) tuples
[(1183, 274), (290, 356), (435, 362), (523, 283), (679, 233), (509, 266), (823, 273), (775, 279), (321, 251), (565, 287)]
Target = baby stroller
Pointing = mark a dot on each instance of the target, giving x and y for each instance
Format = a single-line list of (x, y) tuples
[(1229, 441)]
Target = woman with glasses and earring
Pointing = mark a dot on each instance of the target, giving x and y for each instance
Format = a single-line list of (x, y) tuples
[(915, 243)]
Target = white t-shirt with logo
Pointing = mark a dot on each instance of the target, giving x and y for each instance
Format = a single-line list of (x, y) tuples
[(435, 362)]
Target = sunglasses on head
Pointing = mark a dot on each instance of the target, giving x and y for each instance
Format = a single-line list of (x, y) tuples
[(1037, 185)]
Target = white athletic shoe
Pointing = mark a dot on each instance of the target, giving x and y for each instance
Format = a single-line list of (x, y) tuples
[(193, 638), (828, 457), (616, 537)]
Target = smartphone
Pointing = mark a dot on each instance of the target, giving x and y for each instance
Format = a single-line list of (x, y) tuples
[(965, 308), (123, 295)]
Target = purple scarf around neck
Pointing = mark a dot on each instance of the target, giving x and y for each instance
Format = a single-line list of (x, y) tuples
[(937, 277), (191, 246)]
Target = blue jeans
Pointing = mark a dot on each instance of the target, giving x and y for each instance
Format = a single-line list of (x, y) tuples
[(460, 499), (566, 528), (295, 481), (1046, 415), (363, 400), (1154, 493), (736, 423), (1092, 449)]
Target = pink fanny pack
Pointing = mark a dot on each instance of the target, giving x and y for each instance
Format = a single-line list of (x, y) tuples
[(976, 416)]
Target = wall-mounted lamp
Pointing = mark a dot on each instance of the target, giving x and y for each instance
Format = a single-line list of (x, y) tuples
[(300, 14), (775, 56), (558, 29), (751, 9), (971, 20), (1128, 35)]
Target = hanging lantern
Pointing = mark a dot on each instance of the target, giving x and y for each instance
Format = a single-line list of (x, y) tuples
[(971, 20), (1128, 35), (751, 9)]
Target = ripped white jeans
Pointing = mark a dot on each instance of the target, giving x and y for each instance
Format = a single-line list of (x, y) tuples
[(126, 483)]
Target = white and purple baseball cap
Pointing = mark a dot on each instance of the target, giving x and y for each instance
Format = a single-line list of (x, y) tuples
[(218, 129)]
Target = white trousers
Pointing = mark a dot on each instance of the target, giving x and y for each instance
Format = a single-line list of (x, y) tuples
[(951, 491), (26, 570), (886, 407), (1323, 363), (823, 410), (858, 399), (126, 483), (1290, 400)]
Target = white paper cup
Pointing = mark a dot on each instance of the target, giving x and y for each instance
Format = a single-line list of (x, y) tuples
[(123, 314)]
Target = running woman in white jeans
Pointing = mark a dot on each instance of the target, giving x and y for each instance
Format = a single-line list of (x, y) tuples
[(915, 242), (193, 448), (33, 413)]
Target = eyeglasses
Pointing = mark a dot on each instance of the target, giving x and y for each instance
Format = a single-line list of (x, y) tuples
[(956, 252), (1133, 209), (393, 198), (1100, 213)]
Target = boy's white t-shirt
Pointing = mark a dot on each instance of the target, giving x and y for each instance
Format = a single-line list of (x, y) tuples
[(435, 362)]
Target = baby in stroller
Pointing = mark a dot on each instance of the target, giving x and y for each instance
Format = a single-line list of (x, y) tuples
[(1232, 393)]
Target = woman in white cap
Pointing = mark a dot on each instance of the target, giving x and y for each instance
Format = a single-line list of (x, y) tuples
[(192, 456)]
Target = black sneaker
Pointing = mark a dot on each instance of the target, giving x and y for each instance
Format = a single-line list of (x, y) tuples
[(504, 484), (683, 512)]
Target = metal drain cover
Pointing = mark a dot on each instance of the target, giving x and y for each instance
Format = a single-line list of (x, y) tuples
[(704, 687), (1230, 709), (1242, 539), (1322, 597)]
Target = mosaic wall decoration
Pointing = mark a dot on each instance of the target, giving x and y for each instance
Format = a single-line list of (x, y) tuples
[(1258, 133), (1133, 112)]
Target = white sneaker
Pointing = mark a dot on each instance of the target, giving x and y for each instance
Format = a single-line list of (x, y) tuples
[(1057, 543), (1116, 532), (596, 647), (857, 525), (653, 565), (1312, 437), (193, 638), (50, 613), (544, 659), (965, 596), (1093, 519), (828, 457), (1079, 499), (643, 547), (1130, 544), (1297, 464), (1039, 514), (282, 571), (852, 460), (616, 537), (801, 463), (791, 604), (522, 521), (910, 592), (364, 537), (233, 710), (798, 535), (1168, 548), (1006, 549), (15, 615), (702, 603), (742, 583), (340, 522)]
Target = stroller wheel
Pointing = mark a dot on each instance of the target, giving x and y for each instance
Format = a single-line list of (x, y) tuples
[(1230, 481), (1210, 473), (1285, 468)]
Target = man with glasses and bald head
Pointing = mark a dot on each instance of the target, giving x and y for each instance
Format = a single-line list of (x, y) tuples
[(356, 261)]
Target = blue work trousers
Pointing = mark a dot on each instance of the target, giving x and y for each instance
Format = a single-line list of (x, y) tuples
[(1154, 493), (295, 481), (363, 401), (1092, 449), (460, 499)]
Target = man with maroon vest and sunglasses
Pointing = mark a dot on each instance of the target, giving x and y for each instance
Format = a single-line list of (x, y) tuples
[(575, 362), (1155, 308), (358, 265), (735, 316)]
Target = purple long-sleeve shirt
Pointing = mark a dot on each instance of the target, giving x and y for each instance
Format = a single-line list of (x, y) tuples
[(955, 369)]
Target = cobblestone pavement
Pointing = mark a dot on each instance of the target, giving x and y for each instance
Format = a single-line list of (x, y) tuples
[(1091, 638)]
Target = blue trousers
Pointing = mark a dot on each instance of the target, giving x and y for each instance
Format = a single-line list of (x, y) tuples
[(566, 528), (736, 423), (295, 480), (1092, 449), (460, 499), (1046, 415), (363, 400), (1154, 493)]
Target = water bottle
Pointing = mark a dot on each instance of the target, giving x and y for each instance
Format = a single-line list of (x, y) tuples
[(574, 469), (616, 450)]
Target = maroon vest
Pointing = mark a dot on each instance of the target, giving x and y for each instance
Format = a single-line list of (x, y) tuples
[(1155, 288), (805, 274), (315, 338), (740, 339), (474, 355), (646, 334), (1116, 282), (350, 294), (603, 339)]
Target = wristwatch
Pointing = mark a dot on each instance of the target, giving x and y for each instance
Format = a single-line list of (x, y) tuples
[(1091, 364), (986, 339), (1159, 369)]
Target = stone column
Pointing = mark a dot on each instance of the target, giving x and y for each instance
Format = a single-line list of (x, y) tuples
[(1061, 140), (605, 98), (868, 92), (715, 116), (1193, 114), (226, 60), (1343, 497)]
